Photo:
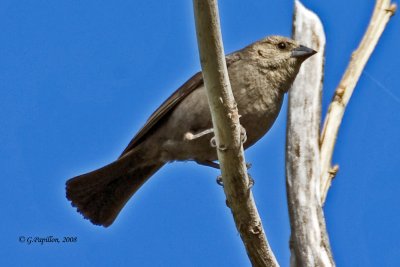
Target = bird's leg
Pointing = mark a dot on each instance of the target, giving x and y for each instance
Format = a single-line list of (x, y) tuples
[(190, 136), (208, 163), (243, 138), (212, 164), (215, 165)]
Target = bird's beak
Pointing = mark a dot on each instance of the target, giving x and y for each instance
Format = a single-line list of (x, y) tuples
[(303, 52)]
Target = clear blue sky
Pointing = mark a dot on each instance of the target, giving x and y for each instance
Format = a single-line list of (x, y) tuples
[(79, 78)]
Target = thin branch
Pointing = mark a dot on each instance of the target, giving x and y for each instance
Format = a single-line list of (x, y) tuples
[(309, 242), (383, 10), (227, 133)]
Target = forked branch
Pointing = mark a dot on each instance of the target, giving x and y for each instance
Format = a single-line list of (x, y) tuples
[(383, 10)]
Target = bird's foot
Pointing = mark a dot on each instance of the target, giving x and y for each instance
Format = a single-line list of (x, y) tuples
[(250, 185), (243, 134), (219, 181), (251, 181), (213, 141)]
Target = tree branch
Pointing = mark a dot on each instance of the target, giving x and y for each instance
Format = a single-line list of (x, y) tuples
[(309, 242), (383, 10), (227, 133)]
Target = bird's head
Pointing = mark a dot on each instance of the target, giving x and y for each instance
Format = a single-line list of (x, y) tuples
[(279, 57), (281, 50)]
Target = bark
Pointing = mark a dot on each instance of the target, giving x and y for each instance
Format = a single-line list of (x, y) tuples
[(227, 133), (309, 242), (309, 171)]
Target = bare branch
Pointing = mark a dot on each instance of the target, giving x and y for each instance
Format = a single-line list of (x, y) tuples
[(383, 10), (309, 242), (227, 133)]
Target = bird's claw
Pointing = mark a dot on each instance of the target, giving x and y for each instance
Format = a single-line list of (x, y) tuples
[(250, 185), (243, 139), (251, 181), (219, 181), (243, 134), (213, 142)]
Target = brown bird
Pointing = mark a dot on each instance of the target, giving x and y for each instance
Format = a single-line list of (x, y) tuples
[(181, 128)]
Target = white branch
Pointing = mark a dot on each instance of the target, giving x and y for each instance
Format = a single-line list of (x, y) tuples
[(383, 10), (227, 133), (309, 242)]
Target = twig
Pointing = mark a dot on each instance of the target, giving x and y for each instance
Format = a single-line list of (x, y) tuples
[(383, 10), (309, 242), (227, 133)]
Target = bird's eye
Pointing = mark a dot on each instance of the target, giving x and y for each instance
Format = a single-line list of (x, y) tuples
[(282, 45)]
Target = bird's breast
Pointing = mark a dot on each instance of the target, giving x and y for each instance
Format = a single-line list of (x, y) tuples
[(259, 100)]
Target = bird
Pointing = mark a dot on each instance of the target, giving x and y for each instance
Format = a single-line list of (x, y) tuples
[(181, 128)]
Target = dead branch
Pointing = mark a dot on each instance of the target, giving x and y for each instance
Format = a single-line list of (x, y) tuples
[(383, 10), (309, 242)]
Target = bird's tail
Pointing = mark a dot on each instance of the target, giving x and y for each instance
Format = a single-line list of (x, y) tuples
[(100, 195)]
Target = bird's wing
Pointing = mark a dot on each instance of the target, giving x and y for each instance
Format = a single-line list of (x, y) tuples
[(192, 84)]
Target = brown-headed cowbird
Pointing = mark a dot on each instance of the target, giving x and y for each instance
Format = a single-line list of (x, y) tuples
[(181, 128)]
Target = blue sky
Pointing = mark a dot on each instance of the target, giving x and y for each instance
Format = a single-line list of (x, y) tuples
[(79, 78)]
